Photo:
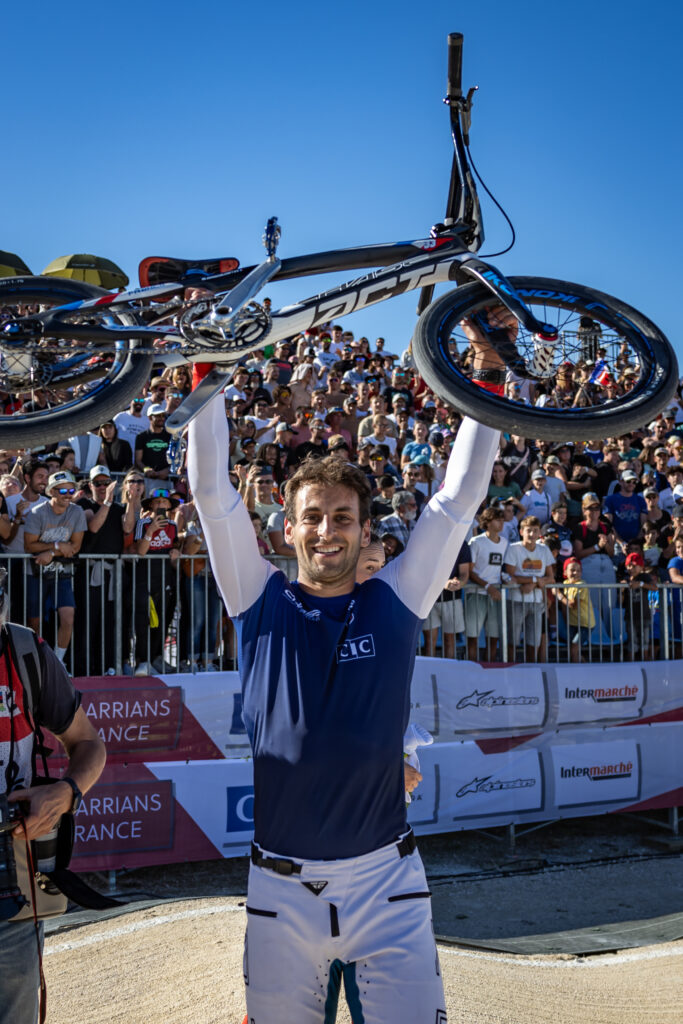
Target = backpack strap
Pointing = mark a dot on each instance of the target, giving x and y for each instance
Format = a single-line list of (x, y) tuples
[(23, 648)]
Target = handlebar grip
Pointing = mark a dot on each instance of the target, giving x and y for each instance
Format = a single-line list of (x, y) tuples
[(455, 64)]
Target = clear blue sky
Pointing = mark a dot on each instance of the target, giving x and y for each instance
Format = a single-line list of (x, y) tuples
[(149, 128)]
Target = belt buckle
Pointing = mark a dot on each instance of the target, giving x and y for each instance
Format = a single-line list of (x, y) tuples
[(284, 867)]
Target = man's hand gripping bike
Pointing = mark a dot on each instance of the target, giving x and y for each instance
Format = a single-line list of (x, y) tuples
[(95, 349)]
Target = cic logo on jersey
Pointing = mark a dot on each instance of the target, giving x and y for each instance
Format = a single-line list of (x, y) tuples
[(359, 647)]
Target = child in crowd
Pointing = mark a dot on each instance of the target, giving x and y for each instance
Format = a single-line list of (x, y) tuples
[(580, 615)]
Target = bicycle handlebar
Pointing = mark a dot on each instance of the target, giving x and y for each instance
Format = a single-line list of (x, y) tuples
[(454, 65)]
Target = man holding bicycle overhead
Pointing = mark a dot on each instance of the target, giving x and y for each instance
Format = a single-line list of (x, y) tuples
[(336, 888)]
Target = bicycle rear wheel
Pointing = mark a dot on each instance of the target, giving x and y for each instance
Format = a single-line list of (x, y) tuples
[(90, 385), (587, 321)]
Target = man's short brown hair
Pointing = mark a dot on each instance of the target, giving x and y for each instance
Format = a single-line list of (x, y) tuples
[(328, 472)]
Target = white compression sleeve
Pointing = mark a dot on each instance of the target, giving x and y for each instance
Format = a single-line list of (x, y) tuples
[(419, 574), (241, 573)]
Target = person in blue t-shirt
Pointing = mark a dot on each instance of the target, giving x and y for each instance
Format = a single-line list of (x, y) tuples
[(336, 887), (624, 508)]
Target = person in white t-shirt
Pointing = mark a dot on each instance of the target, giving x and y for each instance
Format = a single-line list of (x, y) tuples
[(483, 607), (530, 566), (132, 422), (538, 501)]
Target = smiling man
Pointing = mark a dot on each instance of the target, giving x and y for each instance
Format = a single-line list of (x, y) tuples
[(336, 888)]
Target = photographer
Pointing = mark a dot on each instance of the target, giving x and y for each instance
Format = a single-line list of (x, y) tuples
[(58, 710)]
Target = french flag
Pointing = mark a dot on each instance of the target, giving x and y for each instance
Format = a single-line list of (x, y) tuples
[(600, 374)]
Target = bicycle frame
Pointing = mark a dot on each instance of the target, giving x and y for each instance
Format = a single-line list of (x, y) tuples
[(447, 255)]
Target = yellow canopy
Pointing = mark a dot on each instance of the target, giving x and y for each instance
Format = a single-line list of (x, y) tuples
[(12, 265), (85, 267)]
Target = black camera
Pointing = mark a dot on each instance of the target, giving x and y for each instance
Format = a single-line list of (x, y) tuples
[(10, 814)]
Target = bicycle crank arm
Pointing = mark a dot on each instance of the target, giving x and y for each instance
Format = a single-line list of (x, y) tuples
[(230, 303), (207, 389)]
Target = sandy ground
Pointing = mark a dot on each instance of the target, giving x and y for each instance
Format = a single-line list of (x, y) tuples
[(180, 962)]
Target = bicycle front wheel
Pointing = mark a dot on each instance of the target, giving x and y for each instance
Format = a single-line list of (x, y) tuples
[(85, 385), (598, 336)]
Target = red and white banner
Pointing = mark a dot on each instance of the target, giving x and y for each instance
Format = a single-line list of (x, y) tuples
[(512, 745)]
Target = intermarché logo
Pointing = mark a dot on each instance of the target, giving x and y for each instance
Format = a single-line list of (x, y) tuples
[(602, 694), (599, 772), (485, 785), (486, 700)]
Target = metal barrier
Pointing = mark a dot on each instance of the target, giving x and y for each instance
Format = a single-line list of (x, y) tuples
[(149, 614)]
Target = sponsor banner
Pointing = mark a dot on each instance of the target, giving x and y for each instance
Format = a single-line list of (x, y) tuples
[(199, 717), (462, 697), (601, 693), (156, 813), (596, 773)]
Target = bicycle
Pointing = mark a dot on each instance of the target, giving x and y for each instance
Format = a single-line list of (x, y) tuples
[(101, 346)]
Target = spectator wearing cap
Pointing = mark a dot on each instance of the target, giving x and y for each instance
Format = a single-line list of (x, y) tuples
[(107, 523), (674, 479), (115, 454), (151, 447), (661, 464), (637, 612), (483, 607), (510, 530), (594, 541), (654, 514), (537, 500), (625, 508), (264, 425), (399, 406), (53, 534), (132, 421), (155, 585), (401, 522), (555, 484), (158, 386)]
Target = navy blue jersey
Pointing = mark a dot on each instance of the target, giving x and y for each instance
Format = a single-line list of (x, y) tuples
[(326, 697), (326, 680)]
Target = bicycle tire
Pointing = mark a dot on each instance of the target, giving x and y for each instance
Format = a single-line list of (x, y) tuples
[(114, 392), (658, 368)]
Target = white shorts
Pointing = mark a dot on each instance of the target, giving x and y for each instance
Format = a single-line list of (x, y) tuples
[(448, 615), (364, 920)]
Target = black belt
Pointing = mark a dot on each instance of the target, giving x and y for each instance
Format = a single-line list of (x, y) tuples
[(489, 376), (283, 866)]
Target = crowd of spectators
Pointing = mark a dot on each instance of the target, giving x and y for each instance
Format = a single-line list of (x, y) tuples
[(562, 524)]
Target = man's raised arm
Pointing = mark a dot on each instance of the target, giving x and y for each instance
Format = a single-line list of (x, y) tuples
[(418, 576), (240, 571)]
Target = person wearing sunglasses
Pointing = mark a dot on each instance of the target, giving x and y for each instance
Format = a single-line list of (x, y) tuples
[(53, 534), (131, 421)]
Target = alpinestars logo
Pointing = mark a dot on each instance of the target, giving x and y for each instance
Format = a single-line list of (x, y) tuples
[(485, 785), (485, 700), (315, 887)]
